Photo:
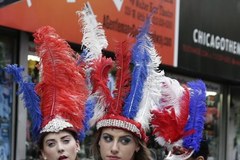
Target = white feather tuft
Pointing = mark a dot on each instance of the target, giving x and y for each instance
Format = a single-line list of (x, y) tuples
[(93, 34), (154, 56), (172, 91), (151, 98)]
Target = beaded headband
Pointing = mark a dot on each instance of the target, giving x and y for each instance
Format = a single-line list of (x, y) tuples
[(127, 125), (56, 125)]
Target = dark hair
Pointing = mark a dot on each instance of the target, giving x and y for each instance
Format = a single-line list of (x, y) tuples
[(203, 150), (143, 154), (69, 130)]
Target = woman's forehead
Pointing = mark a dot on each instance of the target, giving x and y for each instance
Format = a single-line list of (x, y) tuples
[(56, 135), (116, 132)]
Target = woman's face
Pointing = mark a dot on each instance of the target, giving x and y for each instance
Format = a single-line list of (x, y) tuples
[(60, 146), (117, 144)]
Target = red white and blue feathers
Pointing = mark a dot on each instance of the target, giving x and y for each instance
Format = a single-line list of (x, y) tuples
[(61, 94)]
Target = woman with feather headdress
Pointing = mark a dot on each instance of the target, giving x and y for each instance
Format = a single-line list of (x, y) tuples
[(120, 116), (142, 96), (57, 103)]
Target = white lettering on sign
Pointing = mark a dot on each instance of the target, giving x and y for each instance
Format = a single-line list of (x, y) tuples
[(216, 42)]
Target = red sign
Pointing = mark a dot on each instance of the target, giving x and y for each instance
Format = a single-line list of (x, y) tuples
[(119, 18)]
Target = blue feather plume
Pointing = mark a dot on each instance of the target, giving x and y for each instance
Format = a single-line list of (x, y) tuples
[(31, 99), (140, 60), (82, 58), (197, 113), (90, 104), (84, 54), (16, 72)]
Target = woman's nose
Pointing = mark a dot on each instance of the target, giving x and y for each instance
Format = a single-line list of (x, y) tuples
[(115, 148), (60, 148)]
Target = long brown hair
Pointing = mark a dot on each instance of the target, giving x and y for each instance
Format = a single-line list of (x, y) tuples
[(142, 154)]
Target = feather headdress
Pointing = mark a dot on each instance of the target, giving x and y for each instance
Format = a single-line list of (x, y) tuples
[(135, 70), (171, 116), (178, 122), (62, 89)]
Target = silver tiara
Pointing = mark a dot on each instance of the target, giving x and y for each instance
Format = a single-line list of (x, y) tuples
[(118, 123), (55, 125)]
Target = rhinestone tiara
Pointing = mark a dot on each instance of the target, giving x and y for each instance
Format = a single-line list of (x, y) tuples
[(118, 123), (56, 125)]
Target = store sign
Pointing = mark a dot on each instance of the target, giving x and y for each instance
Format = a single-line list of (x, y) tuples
[(4, 3), (119, 18), (209, 40)]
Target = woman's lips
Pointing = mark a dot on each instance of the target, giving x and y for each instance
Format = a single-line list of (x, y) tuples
[(62, 157), (113, 157)]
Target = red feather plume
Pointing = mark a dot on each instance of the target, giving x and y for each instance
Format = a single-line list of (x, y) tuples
[(167, 124), (123, 77), (101, 68), (62, 88)]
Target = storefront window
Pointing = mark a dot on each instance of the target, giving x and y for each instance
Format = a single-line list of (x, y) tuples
[(6, 98), (212, 123), (233, 138)]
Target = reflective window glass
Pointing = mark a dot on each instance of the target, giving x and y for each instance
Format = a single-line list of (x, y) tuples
[(6, 98)]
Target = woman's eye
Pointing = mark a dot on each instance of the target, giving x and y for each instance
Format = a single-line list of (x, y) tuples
[(66, 141), (51, 144), (125, 140), (107, 138)]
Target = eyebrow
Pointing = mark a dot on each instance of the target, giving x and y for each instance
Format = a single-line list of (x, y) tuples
[(127, 135), (66, 136)]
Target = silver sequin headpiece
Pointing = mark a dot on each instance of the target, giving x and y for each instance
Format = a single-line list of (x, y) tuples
[(118, 124), (55, 125)]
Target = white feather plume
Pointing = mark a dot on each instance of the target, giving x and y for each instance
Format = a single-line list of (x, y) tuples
[(154, 56), (150, 99), (94, 38)]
